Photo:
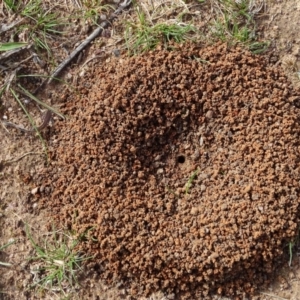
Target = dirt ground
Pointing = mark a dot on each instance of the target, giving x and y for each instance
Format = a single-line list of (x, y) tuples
[(21, 159)]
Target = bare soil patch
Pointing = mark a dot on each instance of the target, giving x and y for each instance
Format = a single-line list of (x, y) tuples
[(280, 26)]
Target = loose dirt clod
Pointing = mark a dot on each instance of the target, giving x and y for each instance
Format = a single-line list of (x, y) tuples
[(182, 168)]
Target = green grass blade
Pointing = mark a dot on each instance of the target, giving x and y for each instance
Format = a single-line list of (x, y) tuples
[(11, 46), (45, 105), (3, 247), (190, 181), (6, 245)]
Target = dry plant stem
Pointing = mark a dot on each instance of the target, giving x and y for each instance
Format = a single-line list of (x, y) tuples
[(17, 64), (45, 121), (5, 27), (6, 162), (166, 3), (10, 78), (77, 50), (89, 39), (146, 11), (274, 296)]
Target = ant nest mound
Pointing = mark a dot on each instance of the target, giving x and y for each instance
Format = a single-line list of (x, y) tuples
[(182, 170)]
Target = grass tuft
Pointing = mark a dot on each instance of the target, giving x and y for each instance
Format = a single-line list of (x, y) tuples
[(57, 262), (92, 10), (11, 5), (234, 22), (143, 35), (43, 24)]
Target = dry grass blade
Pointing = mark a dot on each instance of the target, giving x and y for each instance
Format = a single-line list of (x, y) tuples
[(273, 296), (30, 120), (3, 247), (8, 27)]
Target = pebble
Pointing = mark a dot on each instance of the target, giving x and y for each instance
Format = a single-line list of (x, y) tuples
[(209, 114), (35, 190)]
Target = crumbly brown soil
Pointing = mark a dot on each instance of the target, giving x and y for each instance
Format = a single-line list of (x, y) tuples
[(121, 170), (251, 150)]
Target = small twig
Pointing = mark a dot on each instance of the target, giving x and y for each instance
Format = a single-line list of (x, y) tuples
[(273, 17), (10, 78), (88, 40), (90, 59), (45, 121), (4, 163), (17, 64), (274, 296), (76, 51), (255, 8), (19, 158), (4, 27)]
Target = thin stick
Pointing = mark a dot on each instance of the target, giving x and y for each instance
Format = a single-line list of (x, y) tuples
[(4, 27), (22, 156), (10, 78), (45, 121), (88, 40)]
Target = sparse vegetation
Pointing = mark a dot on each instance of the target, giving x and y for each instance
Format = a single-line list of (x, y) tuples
[(12, 5), (93, 11), (38, 23), (234, 22), (56, 263), (43, 24), (144, 35)]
